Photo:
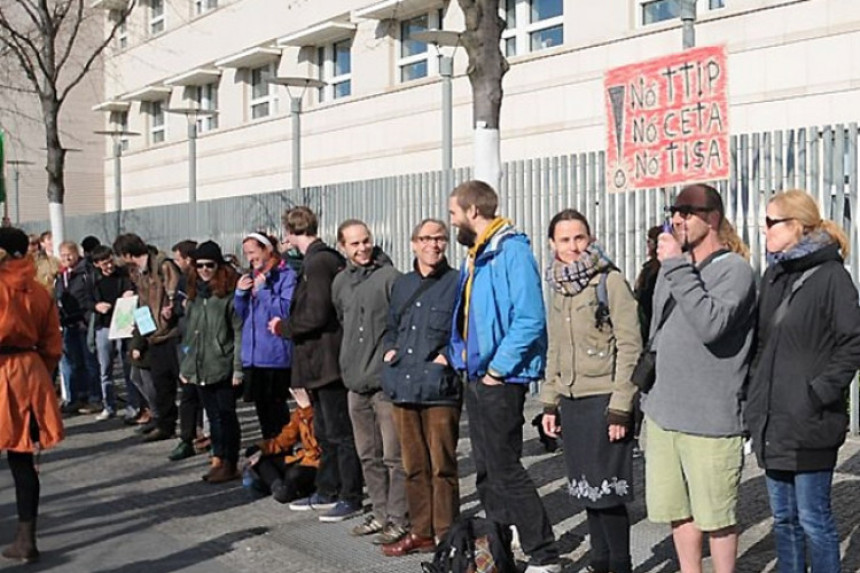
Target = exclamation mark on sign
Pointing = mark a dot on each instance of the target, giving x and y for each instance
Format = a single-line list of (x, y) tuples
[(616, 100)]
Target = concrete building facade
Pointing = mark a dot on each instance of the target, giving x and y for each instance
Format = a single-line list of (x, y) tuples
[(791, 63)]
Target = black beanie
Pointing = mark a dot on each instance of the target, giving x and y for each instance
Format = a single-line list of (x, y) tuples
[(14, 241), (208, 251)]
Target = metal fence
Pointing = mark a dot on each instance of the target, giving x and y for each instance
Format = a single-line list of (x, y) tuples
[(822, 160)]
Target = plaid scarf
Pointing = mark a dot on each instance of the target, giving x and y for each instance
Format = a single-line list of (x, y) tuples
[(570, 278)]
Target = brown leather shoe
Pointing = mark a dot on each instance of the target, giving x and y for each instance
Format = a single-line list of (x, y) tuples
[(144, 418), (214, 463), (410, 543), (227, 472)]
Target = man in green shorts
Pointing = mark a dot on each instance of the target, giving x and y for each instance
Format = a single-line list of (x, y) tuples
[(694, 443)]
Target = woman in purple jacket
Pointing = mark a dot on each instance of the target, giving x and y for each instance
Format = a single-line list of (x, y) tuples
[(264, 293)]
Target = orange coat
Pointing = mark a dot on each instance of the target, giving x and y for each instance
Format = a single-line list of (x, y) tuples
[(28, 319), (301, 427)]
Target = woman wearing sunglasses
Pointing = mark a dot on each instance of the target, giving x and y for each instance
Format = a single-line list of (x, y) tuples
[(212, 358), (594, 343), (808, 353)]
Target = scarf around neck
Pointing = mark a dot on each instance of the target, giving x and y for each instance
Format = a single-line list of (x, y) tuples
[(480, 242), (808, 244), (570, 279)]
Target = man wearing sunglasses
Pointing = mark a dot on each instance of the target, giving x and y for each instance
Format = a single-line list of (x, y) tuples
[(704, 315)]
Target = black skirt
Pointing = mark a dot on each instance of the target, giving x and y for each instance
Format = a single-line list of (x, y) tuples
[(600, 472)]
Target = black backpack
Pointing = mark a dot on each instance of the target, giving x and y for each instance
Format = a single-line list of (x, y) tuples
[(474, 545)]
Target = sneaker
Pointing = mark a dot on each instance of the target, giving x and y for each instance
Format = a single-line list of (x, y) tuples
[(391, 534), (89, 409), (370, 526), (316, 502), (104, 415), (551, 568), (342, 511), (182, 450)]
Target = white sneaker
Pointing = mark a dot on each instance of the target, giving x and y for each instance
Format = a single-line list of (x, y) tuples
[(104, 415), (553, 568)]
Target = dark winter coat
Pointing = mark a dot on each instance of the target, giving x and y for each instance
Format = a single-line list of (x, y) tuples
[(419, 334), (109, 289), (261, 348), (361, 296), (313, 325), (74, 290), (213, 341), (796, 409)]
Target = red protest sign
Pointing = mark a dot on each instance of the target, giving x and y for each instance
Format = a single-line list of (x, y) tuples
[(668, 121)]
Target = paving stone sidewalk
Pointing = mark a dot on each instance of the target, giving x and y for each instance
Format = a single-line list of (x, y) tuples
[(112, 504)]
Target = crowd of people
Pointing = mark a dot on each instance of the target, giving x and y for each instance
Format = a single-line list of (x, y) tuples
[(379, 364)]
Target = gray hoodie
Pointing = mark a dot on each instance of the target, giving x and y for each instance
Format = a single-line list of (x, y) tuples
[(361, 297), (704, 348)]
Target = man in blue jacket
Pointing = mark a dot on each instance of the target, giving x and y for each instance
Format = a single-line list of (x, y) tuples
[(499, 343)]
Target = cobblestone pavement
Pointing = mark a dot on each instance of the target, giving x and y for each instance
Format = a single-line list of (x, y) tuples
[(111, 504)]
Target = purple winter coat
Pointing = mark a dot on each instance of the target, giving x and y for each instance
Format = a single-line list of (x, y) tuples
[(260, 348)]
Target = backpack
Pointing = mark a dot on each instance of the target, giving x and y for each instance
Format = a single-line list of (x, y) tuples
[(601, 313), (474, 545)]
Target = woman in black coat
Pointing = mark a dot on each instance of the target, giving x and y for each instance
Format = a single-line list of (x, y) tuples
[(808, 353)]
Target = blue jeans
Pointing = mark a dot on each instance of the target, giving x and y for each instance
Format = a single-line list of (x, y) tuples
[(79, 367), (107, 351), (800, 502)]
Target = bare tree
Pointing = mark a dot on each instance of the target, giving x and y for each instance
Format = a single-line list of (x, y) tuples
[(47, 41), (487, 67)]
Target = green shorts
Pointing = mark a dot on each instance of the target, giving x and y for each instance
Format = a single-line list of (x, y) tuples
[(689, 476)]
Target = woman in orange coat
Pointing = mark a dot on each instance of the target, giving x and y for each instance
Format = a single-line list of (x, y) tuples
[(30, 348)]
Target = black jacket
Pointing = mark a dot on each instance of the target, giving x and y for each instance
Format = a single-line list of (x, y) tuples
[(313, 325), (109, 289), (75, 292), (796, 409), (419, 333)]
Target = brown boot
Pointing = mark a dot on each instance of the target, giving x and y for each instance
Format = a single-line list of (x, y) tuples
[(227, 472), (214, 463), (23, 548)]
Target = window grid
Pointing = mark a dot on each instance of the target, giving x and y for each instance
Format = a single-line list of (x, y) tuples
[(532, 25), (334, 64), (206, 98), (157, 127), (156, 17), (262, 93), (203, 6), (414, 60), (654, 11)]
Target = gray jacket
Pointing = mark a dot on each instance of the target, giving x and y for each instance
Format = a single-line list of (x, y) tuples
[(361, 297), (704, 348)]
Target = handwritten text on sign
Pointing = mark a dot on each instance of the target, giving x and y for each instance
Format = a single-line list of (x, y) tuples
[(668, 121)]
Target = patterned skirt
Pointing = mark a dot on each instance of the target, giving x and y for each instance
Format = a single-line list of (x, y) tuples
[(600, 472)]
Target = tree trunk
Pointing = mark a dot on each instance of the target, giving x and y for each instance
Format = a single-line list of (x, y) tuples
[(55, 166), (487, 67)]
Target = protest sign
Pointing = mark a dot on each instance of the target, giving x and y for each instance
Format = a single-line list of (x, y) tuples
[(668, 121)]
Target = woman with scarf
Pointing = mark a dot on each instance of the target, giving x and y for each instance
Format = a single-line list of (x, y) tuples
[(594, 343), (30, 349), (264, 293), (212, 357), (808, 353)]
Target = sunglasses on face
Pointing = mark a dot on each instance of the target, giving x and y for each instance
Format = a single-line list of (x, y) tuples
[(768, 222), (207, 265), (686, 210)]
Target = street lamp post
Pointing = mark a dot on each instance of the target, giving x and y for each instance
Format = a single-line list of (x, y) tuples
[(192, 114), (296, 113), (17, 163), (446, 39), (117, 136), (688, 19)]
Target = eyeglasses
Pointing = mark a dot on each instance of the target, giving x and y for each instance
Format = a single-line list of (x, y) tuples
[(426, 239), (686, 210), (768, 222), (209, 266)]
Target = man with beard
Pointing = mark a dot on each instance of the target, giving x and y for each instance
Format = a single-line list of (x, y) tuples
[(704, 309), (499, 344)]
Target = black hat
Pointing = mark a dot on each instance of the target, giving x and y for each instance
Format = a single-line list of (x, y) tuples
[(14, 241), (208, 251), (89, 243)]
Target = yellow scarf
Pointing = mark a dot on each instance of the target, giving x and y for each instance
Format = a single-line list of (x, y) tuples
[(479, 245)]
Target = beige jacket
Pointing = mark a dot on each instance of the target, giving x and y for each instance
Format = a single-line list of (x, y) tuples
[(583, 360)]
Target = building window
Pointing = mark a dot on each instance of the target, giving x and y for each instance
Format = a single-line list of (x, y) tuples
[(532, 25), (415, 61), (156, 17), (262, 92), (203, 6), (206, 98), (157, 127), (654, 11), (121, 37), (334, 62)]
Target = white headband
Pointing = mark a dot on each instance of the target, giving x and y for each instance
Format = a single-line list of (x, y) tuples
[(260, 238)]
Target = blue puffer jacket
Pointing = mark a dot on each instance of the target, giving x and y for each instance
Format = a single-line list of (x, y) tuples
[(260, 348), (507, 320)]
